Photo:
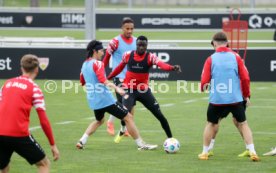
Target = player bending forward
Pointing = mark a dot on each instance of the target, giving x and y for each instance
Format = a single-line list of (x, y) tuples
[(101, 100)]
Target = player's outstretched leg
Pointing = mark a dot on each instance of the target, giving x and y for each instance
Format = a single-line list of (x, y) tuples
[(121, 132), (133, 131), (271, 153), (110, 125), (89, 131)]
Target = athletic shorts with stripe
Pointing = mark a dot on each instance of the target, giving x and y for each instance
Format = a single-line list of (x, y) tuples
[(117, 110), (26, 147)]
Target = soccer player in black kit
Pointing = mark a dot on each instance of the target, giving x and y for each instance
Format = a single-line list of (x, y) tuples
[(136, 81)]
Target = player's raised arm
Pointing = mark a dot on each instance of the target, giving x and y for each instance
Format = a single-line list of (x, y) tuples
[(120, 67), (111, 48), (164, 66), (98, 67)]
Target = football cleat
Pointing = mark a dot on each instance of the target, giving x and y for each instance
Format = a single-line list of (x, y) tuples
[(246, 153), (118, 137), (271, 153), (110, 128), (254, 157), (147, 147), (203, 156), (80, 145), (210, 153), (126, 134)]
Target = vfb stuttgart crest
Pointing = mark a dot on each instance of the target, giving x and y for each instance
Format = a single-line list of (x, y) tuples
[(43, 62), (29, 19)]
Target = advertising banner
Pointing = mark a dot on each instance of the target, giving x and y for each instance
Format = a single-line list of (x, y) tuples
[(142, 21), (66, 63)]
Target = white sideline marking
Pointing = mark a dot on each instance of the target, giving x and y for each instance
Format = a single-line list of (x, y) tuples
[(34, 128), (164, 105), (190, 101), (65, 122), (60, 123), (167, 105), (262, 88), (89, 118), (143, 131), (205, 98)]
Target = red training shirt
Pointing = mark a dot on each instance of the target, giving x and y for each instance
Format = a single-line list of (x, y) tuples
[(113, 46), (17, 96), (132, 80), (243, 72), (98, 68)]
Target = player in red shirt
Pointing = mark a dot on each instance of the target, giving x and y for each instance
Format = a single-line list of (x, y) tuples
[(17, 97), (136, 81), (115, 49), (221, 67), (101, 100), (205, 79)]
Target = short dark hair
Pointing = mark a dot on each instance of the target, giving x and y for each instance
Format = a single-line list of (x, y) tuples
[(141, 37), (127, 20), (93, 45), (220, 36), (29, 62)]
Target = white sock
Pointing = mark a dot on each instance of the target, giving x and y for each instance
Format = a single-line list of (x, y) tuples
[(84, 138), (139, 141), (251, 148), (111, 119), (123, 128), (212, 143), (246, 147), (205, 149)]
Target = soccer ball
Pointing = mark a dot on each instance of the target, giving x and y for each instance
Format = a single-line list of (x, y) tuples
[(171, 145)]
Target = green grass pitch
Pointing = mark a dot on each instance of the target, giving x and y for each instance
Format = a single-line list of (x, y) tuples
[(186, 112)]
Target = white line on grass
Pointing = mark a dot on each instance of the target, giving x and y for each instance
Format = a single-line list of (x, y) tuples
[(190, 101), (89, 118), (34, 128), (163, 105), (65, 122), (167, 105), (59, 123), (262, 88)]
